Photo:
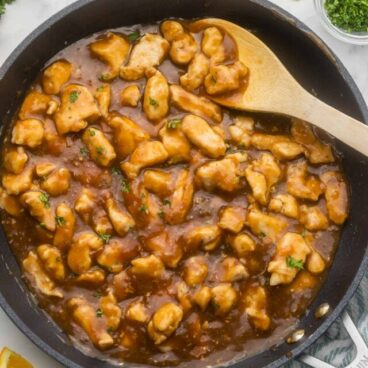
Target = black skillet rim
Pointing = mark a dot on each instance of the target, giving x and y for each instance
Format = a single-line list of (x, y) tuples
[(286, 17)]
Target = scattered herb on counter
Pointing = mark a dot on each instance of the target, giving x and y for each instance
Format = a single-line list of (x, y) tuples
[(3, 4), (348, 15), (133, 36), (294, 263)]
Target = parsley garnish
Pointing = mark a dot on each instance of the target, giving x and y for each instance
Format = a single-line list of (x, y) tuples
[(97, 294), (161, 213), (103, 77), (60, 221), (43, 225), (261, 234), (100, 150), (123, 182), (99, 313), (44, 198), (91, 132), (143, 208), (294, 263), (84, 151), (173, 124), (166, 202), (110, 330), (73, 97), (104, 237), (100, 89), (153, 102), (133, 36)]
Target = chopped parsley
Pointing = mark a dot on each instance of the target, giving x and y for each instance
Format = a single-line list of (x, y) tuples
[(294, 263), (110, 330), (44, 198), (43, 225), (104, 237), (60, 221), (103, 77), (153, 102), (97, 294), (143, 208), (213, 79), (84, 151), (73, 97), (100, 150), (161, 213), (349, 15), (91, 132), (262, 235), (166, 202), (100, 89), (125, 187), (133, 36), (173, 124), (99, 313)]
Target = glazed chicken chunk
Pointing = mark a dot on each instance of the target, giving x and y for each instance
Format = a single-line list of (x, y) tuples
[(242, 130), (103, 98), (52, 261), (195, 270), (150, 266), (197, 71), (159, 182), (78, 107), (207, 236), (224, 297), (256, 307), (149, 52), (232, 219), (65, 226), (29, 132), (130, 96), (121, 220), (212, 44), (57, 182), (242, 244), (15, 160), (285, 204), (55, 76), (230, 269), (112, 50), (313, 218), (37, 103), (10, 204), (16, 184), (84, 204)]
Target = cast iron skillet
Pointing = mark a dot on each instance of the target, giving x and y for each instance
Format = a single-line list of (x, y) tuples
[(307, 58)]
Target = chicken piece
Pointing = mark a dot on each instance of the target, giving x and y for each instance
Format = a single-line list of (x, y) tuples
[(92, 278), (39, 278), (79, 256), (52, 261), (223, 174), (199, 132), (146, 154), (29, 132), (164, 322), (44, 169), (165, 248), (183, 297), (113, 256), (149, 52), (121, 220), (336, 195), (266, 225), (207, 236), (156, 97), (232, 219), (100, 149), (212, 44), (225, 78), (101, 223), (302, 185), (15, 160), (65, 226), (197, 71), (194, 104), (38, 205), (84, 204), (230, 269), (290, 256), (181, 199), (315, 262), (55, 76), (183, 48), (112, 50), (241, 131), (158, 182), (127, 135), (92, 321), (171, 30), (150, 266), (130, 96), (281, 146), (195, 270), (78, 107), (242, 244), (316, 151), (258, 183), (10, 204), (111, 311), (175, 142), (137, 312), (313, 218), (36, 103), (224, 297), (103, 97), (122, 285), (202, 297), (57, 183), (256, 307), (285, 204), (268, 166), (16, 184)]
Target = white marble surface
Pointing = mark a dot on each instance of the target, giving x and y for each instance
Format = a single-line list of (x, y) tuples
[(25, 15)]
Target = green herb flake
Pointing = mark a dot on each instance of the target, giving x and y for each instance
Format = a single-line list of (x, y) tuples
[(91, 132), (103, 77), (133, 36), (166, 202), (60, 221), (143, 208), (97, 294), (173, 124), (44, 198), (348, 15), (153, 102), (109, 330), (100, 150), (125, 187), (115, 171), (161, 213), (43, 225), (73, 97), (294, 263), (100, 89), (262, 235), (99, 313), (104, 237)]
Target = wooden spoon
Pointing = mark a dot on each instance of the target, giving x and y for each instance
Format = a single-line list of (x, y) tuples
[(271, 88)]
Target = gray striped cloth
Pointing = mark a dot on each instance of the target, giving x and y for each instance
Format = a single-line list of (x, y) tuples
[(335, 347)]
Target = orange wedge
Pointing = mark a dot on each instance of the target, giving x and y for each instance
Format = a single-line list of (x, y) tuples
[(9, 359)]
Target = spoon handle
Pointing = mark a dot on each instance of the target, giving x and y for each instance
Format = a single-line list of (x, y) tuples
[(343, 127)]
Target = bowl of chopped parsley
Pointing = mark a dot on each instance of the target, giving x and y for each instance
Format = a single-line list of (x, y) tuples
[(347, 20)]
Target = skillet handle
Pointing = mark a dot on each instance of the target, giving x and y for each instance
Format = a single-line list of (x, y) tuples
[(361, 359)]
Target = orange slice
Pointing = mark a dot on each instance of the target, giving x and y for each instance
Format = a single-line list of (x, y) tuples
[(9, 359)]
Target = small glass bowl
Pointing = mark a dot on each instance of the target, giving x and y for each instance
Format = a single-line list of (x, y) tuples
[(355, 38)]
